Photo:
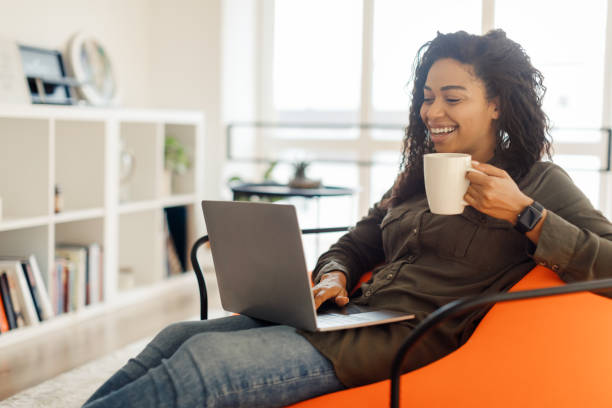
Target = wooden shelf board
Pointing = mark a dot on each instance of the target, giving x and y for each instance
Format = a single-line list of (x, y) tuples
[(78, 215), (8, 224)]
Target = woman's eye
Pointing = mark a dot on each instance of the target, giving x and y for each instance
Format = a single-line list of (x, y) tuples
[(428, 100), (452, 100)]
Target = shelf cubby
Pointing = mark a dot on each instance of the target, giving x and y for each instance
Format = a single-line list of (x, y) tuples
[(143, 142), (35, 239), (79, 163), (24, 168), (82, 232), (141, 237), (186, 135)]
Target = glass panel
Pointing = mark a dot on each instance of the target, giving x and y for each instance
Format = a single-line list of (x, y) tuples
[(383, 173), (400, 28), (317, 54), (565, 40), (584, 171)]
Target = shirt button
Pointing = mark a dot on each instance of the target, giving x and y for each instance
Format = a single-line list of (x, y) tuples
[(415, 230), (555, 268), (411, 258), (368, 293), (543, 264), (390, 276)]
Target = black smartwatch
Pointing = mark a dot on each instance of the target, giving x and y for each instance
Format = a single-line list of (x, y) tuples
[(529, 217)]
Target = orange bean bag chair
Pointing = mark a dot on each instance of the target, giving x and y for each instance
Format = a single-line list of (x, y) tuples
[(544, 352)]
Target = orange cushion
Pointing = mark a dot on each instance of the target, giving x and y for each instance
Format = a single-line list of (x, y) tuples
[(547, 352)]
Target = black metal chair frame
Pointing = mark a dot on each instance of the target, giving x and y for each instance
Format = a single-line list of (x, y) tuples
[(451, 309)]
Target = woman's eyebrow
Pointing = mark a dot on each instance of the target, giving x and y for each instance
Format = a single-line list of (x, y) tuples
[(448, 87)]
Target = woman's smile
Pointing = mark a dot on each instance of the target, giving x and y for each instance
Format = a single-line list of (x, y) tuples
[(440, 134)]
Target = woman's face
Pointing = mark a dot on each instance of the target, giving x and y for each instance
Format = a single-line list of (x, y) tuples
[(456, 111)]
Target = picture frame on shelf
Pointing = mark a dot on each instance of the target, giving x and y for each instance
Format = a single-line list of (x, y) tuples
[(46, 76), (13, 86)]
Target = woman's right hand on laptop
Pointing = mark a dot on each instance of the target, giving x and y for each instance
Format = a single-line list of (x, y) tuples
[(331, 286)]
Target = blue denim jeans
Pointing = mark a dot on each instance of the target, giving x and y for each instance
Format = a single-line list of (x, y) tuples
[(234, 361)]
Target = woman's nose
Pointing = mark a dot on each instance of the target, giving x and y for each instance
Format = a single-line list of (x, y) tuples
[(434, 110)]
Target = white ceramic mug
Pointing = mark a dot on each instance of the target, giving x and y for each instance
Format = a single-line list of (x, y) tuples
[(445, 181)]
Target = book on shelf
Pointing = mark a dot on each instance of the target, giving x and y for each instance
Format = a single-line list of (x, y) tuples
[(77, 276), (173, 263), (20, 294), (38, 285), (4, 326), (7, 301), (16, 302), (28, 272), (76, 255)]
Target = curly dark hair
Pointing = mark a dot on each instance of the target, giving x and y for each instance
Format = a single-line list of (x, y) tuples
[(522, 135)]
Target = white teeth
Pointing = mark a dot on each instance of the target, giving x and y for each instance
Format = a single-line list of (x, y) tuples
[(442, 130)]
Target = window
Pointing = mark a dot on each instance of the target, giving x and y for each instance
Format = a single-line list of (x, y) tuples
[(320, 48), (317, 55), (570, 55), (400, 29)]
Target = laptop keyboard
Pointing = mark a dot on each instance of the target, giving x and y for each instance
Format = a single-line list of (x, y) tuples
[(338, 319)]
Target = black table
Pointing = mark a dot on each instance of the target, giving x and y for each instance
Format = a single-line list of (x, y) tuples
[(248, 190)]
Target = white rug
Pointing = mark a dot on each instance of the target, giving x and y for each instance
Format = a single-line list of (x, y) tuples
[(72, 388)]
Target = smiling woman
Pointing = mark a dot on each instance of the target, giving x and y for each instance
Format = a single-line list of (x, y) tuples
[(458, 112)]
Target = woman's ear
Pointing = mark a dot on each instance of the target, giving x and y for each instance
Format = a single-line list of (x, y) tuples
[(494, 107)]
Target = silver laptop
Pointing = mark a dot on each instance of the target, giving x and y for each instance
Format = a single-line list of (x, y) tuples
[(261, 269)]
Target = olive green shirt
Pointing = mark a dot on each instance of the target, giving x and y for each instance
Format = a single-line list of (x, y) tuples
[(421, 261)]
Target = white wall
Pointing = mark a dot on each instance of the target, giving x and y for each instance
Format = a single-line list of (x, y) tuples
[(186, 70), (121, 26), (166, 54)]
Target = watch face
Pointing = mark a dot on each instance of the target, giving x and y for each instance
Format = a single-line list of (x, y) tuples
[(530, 217)]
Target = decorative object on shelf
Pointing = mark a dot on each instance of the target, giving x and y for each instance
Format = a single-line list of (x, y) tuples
[(299, 178), (91, 66), (13, 87), (127, 162), (46, 76), (176, 162), (59, 199)]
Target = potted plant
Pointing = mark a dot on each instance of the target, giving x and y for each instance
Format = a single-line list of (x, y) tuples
[(176, 162), (300, 180)]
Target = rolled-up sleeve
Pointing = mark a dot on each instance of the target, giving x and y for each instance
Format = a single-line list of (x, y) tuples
[(576, 239)]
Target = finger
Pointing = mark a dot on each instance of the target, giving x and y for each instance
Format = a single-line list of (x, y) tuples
[(468, 198), (476, 178), (476, 190), (342, 300), (471, 200), (489, 169), (323, 295)]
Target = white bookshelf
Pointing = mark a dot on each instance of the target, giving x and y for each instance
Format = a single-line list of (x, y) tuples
[(79, 149)]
